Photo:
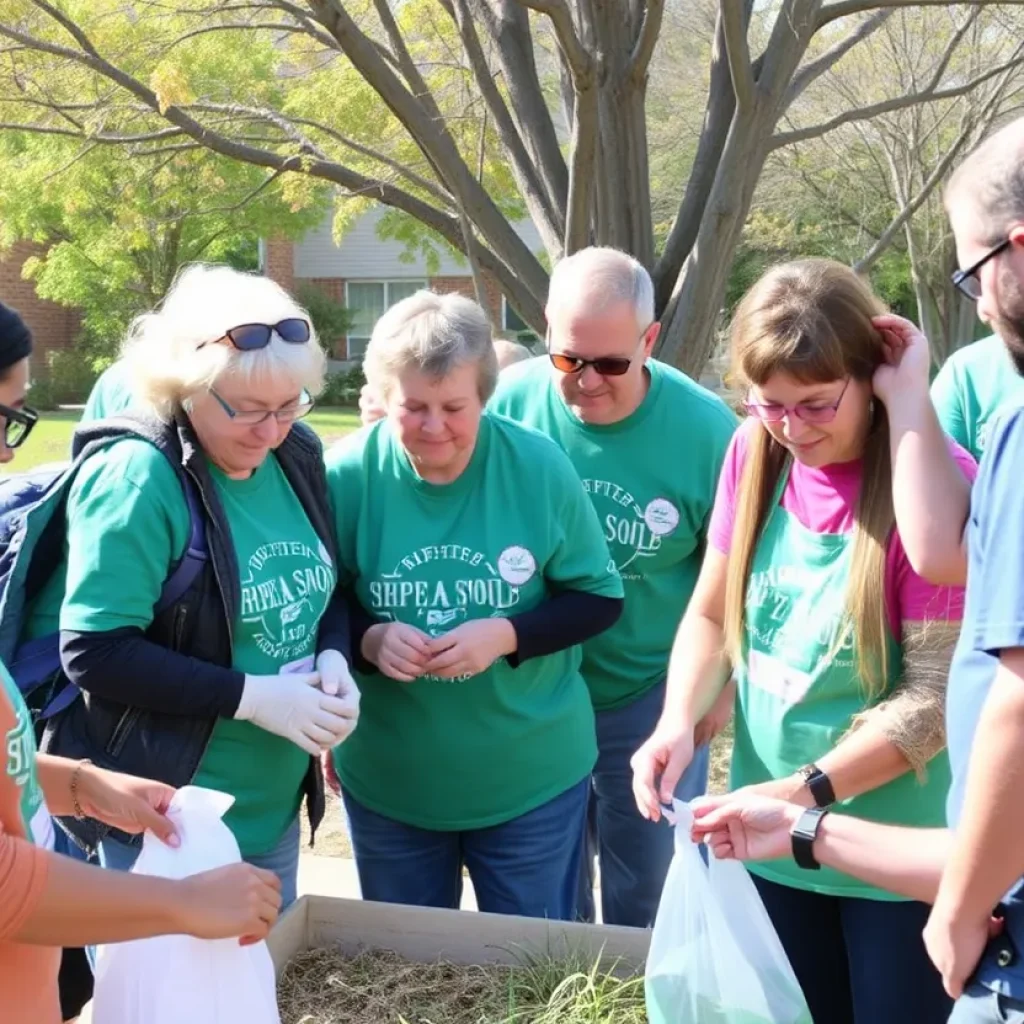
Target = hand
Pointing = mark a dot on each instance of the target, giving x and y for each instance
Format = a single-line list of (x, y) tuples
[(237, 900), (667, 753), (718, 717), (471, 648), (398, 650), (331, 779), (336, 681), (955, 943), (370, 408), (745, 826), (125, 802), (293, 706), (907, 363)]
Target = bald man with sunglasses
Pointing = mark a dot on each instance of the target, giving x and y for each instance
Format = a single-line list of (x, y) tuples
[(648, 444)]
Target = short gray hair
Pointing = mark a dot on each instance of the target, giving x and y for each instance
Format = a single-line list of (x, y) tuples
[(599, 277), (432, 334), (992, 180), (168, 351)]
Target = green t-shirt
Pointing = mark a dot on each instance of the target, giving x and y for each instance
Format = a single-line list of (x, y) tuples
[(110, 394), (799, 690), (652, 480), (973, 384), (512, 530), (127, 525), (19, 754)]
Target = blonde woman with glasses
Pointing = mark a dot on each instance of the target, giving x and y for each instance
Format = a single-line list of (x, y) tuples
[(240, 681)]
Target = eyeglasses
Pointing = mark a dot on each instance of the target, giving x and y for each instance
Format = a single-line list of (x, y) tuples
[(18, 424), (773, 412), (606, 366), (249, 337), (967, 281), (254, 417)]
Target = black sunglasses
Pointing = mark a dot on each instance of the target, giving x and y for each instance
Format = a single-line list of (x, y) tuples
[(18, 424), (249, 337), (967, 280), (607, 366)]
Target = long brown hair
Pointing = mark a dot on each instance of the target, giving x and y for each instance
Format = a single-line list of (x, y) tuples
[(811, 319)]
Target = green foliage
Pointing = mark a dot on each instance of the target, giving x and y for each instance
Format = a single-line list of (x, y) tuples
[(343, 388), (330, 319), (67, 380)]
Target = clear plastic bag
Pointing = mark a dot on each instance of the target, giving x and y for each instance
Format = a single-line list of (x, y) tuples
[(176, 979), (715, 957)]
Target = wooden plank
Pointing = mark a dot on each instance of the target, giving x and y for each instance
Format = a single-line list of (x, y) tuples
[(291, 934), (424, 935)]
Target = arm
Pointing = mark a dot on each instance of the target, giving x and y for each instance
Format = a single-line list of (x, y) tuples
[(698, 667), (931, 496), (988, 855), (906, 861), (75, 904), (112, 663)]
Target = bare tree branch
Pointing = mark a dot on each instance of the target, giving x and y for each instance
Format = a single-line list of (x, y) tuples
[(887, 106), (561, 20), (647, 38), (734, 26), (546, 215), (816, 68), (834, 11), (437, 146)]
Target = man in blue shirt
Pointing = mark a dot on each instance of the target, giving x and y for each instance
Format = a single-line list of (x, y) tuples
[(973, 872)]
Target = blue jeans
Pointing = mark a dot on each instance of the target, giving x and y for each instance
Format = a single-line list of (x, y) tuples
[(859, 961), (979, 1005), (528, 866), (633, 853)]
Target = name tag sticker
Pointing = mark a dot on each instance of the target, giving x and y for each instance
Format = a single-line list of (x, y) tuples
[(788, 684)]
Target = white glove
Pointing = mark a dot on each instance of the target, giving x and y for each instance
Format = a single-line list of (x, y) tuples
[(336, 681), (294, 706)]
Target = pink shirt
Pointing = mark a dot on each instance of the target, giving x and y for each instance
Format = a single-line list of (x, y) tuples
[(823, 500)]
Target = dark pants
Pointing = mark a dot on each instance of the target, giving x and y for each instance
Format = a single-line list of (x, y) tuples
[(858, 961), (527, 866), (979, 1005), (633, 853), (75, 981)]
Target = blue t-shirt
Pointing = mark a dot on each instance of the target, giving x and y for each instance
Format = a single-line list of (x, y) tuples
[(993, 622)]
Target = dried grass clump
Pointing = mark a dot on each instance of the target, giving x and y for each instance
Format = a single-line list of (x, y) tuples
[(325, 987)]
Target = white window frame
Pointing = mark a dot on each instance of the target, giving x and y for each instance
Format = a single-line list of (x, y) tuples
[(387, 282)]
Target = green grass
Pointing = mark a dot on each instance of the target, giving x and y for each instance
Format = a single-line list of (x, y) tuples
[(50, 441)]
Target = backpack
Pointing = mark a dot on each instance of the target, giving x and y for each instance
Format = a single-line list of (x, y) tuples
[(32, 532)]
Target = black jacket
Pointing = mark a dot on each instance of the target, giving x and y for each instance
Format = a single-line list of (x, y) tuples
[(105, 726)]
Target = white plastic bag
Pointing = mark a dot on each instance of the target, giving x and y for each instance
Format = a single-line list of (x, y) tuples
[(714, 956), (175, 979)]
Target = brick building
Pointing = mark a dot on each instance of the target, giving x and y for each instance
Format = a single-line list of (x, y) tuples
[(368, 274), (53, 327)]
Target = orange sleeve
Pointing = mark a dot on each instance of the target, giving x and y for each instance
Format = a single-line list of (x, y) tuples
[(23, 870)]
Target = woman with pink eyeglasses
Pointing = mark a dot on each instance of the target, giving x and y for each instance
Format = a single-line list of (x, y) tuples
[(839, 649)]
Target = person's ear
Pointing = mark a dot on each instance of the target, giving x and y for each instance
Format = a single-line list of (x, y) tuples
[(651, 338)]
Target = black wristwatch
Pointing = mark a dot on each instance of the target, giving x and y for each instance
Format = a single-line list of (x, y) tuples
[(803, 834), (819, 784)]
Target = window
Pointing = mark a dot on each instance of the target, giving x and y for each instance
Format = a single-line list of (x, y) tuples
[(366, 302), (513, 323)]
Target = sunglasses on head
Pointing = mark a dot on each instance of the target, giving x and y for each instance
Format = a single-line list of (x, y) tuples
[(249, 337)]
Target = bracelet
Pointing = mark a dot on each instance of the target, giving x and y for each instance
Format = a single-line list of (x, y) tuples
[(75, 775)]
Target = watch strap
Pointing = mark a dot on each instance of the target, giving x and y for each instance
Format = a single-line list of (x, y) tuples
[(819, 784), (803, 834)]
